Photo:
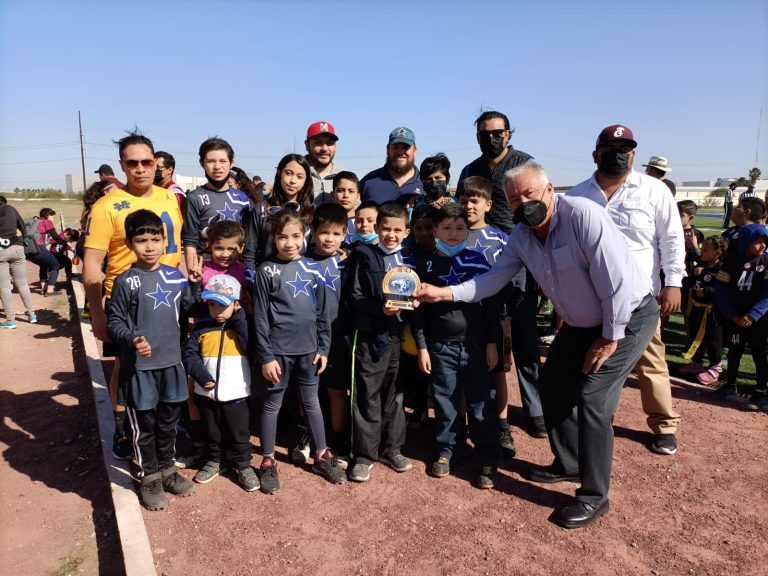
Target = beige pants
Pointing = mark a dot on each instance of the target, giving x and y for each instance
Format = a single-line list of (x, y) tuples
[(655, 388)]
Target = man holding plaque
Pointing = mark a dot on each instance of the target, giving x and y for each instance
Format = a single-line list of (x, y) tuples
[(581, 262)]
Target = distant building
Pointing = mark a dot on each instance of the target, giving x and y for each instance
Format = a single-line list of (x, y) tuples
[(74, 182)]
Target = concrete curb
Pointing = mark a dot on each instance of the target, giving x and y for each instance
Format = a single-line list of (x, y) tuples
[(137, 552)]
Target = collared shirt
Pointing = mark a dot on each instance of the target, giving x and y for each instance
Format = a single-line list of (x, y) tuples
[(380, 187), (583, 266), (647, 215), (323, 185)]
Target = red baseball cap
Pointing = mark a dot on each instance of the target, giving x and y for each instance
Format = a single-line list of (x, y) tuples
[(616, 132), (321, 127)]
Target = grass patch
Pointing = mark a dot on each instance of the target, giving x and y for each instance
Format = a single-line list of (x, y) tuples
[(69, 566)]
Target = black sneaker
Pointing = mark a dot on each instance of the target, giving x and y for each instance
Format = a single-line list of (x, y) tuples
[(396, 461), (152, 496), (486, 478), (664, 444), (122, 447), (535, 427), (208, 472), (507, 443), (758, 401), (248, 479), (176, 484), (724, 391), (441, 467), (328, 467), (270, 481), (300, 453)]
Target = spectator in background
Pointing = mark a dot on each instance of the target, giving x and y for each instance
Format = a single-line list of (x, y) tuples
[(321, 150), (658, 167), (728, 203), (748, 193), (13, 264), (399, 179), (45, 260), (106, 174), (165, 168), (239, 179)]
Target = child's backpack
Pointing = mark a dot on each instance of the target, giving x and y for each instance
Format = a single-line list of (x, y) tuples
[(31, 236)]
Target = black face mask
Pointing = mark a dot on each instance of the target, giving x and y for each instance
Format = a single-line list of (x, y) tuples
[(614, 163), (530, 213), (491, 146), (217, 184), (158, 176), (436, 188)]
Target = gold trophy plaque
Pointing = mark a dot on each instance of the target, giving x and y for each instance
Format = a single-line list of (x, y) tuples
[(399, 286)]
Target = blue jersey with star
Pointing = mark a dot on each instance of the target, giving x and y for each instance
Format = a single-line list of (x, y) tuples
[(332, 268), (454, 321), (290, 316), (399, 258), (149, 303), (205, 207), (350, 236), (488, 241)]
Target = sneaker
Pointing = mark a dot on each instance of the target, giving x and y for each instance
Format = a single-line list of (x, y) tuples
[(361, 472), (507, 443), (328, 467), (122, 447), (757, 401), (270, 480), (724, 391), (175, 483), (151, 492), (396, 461), (710, 375), (248, 479), (85, 314), (300, 453), (664, 444), (32, 317), (535, 427), (208, 472), (9, 324), (194, 459), (486, 478), (692, 369), (547, 340), (441, 467), (342, 462)]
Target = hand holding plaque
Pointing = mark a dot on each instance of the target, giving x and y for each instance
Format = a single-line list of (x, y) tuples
[(399, 286)]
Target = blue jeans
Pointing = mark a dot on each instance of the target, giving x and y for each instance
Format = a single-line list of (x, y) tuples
[(457, 367)]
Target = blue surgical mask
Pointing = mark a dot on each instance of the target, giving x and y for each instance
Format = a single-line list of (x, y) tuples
[(450, 250), (367, 239), (391, 251)]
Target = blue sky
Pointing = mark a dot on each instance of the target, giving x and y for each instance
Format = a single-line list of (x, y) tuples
[(689, 77)]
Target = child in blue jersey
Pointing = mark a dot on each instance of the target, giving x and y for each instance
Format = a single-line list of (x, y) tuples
[(474, 195), (457, 344), (329, 223), (147, 301), (346, 193), (741, 295), (293, 337), (378, 419)]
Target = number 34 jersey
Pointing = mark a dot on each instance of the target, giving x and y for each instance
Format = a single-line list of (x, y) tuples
[(105, 229)]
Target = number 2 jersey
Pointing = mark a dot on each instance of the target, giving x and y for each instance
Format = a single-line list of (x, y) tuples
[(105, 229)]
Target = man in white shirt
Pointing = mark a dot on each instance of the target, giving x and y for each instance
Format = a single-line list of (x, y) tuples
[(647, 216)]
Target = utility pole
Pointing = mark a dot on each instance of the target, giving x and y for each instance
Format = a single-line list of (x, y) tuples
[(757, 148), (82, 152)]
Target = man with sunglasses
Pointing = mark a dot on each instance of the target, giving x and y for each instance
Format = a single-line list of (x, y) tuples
[(105, 239), (521, 296), (646, 213)]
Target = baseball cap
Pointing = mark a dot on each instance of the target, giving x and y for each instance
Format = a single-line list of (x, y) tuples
[(748, 234), (402, 135), (221, 288), (321, 127), (659, 162), (615, 132), (105, 169)]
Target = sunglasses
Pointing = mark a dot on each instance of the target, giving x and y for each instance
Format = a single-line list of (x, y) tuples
[(288, 206), (488, 133), (146, 163)]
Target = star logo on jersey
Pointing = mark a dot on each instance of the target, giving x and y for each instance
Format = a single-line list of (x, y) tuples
[(121, 205), (299, 285), (227, 213), (453, 277), (160, 297), (329, 278), (489, 251)]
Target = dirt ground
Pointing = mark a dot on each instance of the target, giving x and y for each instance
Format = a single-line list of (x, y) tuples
[(702, 511)]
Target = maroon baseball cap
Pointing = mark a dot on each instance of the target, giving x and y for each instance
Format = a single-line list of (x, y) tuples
[(321, 127), (615, 132)]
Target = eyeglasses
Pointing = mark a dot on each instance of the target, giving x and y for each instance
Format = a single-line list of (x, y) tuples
[(489, 133), (292, 206), (146, 163)]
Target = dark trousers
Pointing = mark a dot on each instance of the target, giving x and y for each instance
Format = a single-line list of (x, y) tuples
[(712, 343), (457, 367), (727, 209), (154, 436), (522, 302), (578, 408), (64, 262), (756, 337), (227, 430), (49, 266), (378, 418)]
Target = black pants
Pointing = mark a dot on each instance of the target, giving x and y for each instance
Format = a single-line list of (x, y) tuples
[(154, 436), (756, 337), (712, 343), (578, 408), (227, 430), (378, 418)]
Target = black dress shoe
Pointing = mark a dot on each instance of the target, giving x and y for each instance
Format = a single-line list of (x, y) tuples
[(578, 514), (535, 427), (548, 475)]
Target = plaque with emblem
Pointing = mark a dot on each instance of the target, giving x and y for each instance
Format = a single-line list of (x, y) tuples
[(399, 286)]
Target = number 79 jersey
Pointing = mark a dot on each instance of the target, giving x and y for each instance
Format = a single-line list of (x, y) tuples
[(105, 229)]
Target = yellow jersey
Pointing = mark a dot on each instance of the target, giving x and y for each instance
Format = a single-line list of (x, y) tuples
[(105, 229)]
